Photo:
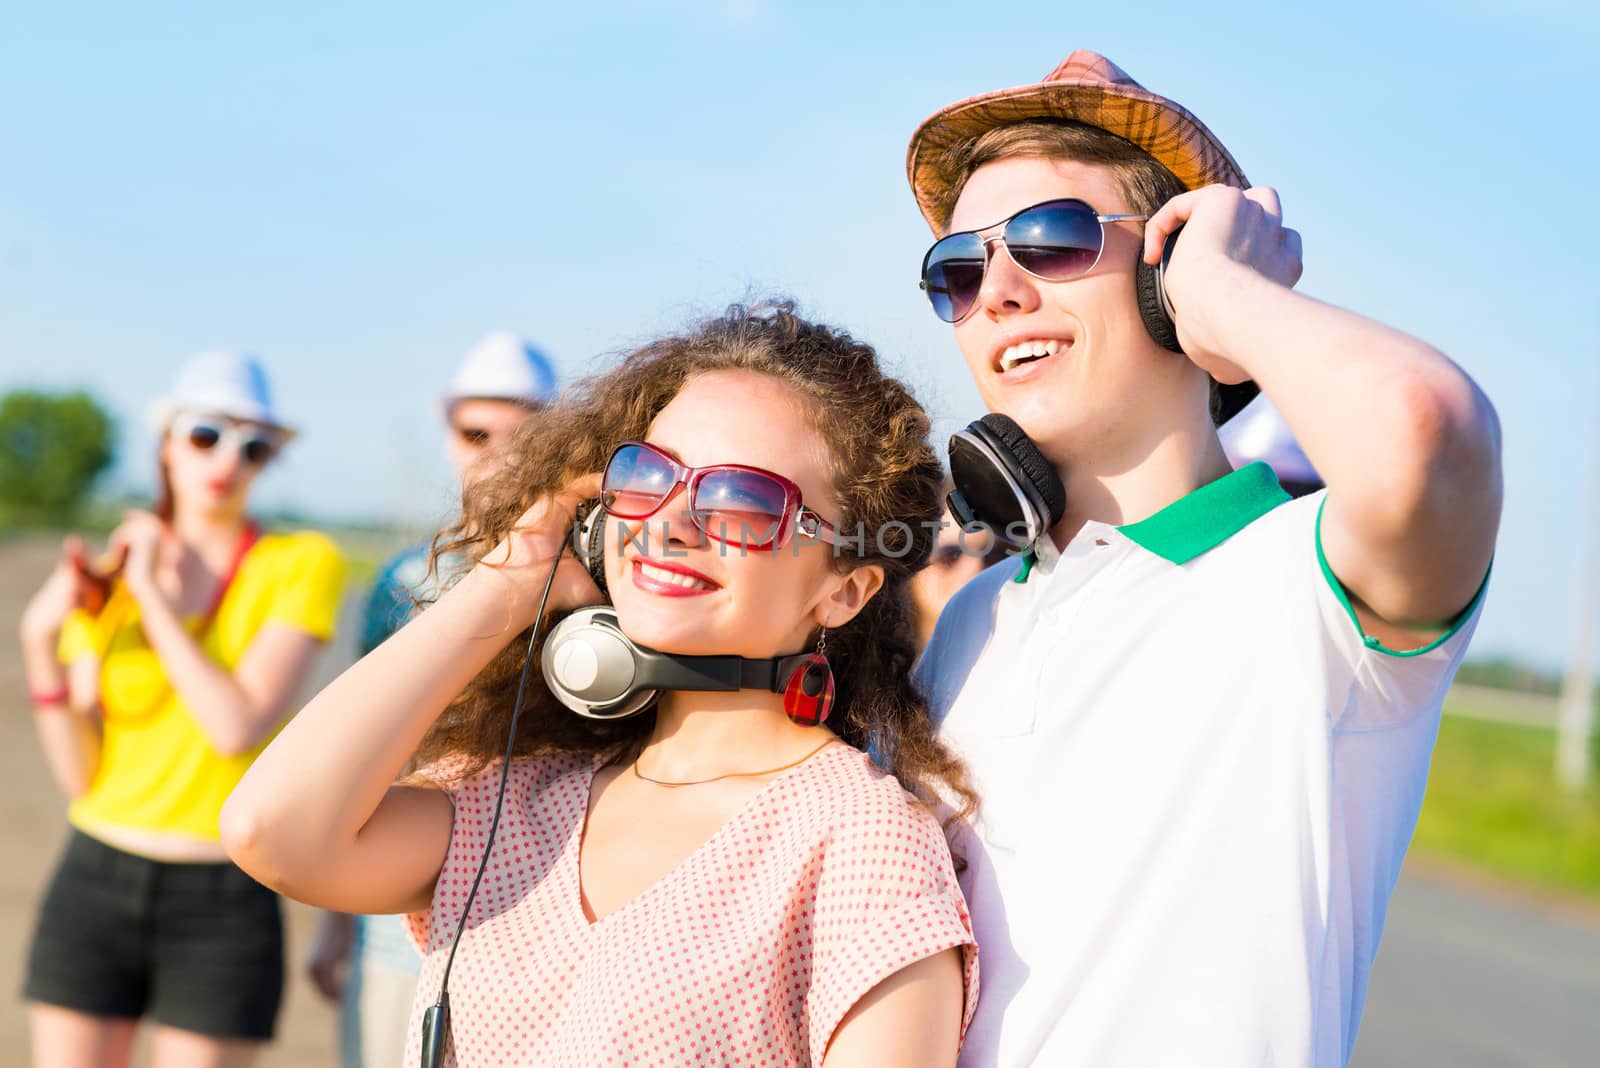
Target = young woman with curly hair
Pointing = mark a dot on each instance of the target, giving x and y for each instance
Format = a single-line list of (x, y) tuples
[(709, 880)]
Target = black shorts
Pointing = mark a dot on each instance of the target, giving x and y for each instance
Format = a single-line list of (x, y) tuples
[(198, 947)]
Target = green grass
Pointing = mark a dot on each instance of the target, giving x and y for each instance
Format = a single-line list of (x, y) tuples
[(362, 562), (1493, 802)]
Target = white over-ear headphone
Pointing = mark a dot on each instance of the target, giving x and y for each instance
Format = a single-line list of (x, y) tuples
[(600, 673)]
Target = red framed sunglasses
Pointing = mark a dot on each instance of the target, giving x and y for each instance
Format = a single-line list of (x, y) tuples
[(750, 507)]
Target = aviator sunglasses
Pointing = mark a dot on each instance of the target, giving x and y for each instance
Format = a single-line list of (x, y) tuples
[(731, 503), (204, 433), (1054, 241)]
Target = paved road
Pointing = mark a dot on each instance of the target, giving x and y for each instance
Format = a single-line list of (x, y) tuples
[(1466, 982)]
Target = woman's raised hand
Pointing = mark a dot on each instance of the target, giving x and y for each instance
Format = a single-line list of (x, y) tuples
[(544, 532), (151, 555)]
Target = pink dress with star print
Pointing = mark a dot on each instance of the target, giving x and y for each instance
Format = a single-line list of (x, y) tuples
[(749, 952)]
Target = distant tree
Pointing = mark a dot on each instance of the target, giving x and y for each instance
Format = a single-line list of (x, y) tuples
[(52, 447)]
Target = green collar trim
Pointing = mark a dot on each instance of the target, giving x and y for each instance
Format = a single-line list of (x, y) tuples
[(1026, 567), (1209, 516)]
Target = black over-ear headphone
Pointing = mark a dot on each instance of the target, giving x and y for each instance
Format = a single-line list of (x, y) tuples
[(1149, 283), (1004, 482)]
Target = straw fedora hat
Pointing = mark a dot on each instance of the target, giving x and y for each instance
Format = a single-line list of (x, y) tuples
[(1088, 88)]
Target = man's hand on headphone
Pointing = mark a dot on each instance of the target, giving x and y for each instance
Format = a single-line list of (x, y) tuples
[(1230, 238)]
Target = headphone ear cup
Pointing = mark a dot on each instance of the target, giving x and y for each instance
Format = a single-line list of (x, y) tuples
[(592, 668), (590, 544), (1227, 401), (1011, 442), (1003, 481), (1152, 303)]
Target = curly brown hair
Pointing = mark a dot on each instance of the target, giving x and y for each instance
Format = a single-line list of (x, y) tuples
[(884, 474)]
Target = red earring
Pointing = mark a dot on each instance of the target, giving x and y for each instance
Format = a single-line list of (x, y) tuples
[(808, 697)]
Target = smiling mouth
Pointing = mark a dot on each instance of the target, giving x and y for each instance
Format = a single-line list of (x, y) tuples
[(663, 580), (1025, 352)]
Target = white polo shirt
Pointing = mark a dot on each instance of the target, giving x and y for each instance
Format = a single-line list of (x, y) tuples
[(1197, 779)]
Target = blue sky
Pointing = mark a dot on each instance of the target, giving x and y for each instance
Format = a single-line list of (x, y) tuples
[(360, 191)]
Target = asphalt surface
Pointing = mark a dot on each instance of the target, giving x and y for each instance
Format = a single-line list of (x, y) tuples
[(1468, 981)]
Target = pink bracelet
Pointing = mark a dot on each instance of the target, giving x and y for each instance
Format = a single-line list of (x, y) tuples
[(58, 696)]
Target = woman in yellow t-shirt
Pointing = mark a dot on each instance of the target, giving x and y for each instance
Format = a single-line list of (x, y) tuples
[(154, 690)]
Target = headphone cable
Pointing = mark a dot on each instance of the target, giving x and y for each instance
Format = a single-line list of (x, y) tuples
[(436, 1017)]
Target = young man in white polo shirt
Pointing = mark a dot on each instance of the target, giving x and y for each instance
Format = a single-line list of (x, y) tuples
[(1199, 715)]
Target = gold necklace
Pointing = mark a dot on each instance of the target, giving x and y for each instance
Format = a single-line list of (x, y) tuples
[(732, 774)]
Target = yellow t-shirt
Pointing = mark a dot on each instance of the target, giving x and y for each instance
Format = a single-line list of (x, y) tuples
[(158, 771)]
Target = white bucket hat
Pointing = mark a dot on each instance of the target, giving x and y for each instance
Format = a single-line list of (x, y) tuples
[(223, 382), (502, 367)]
